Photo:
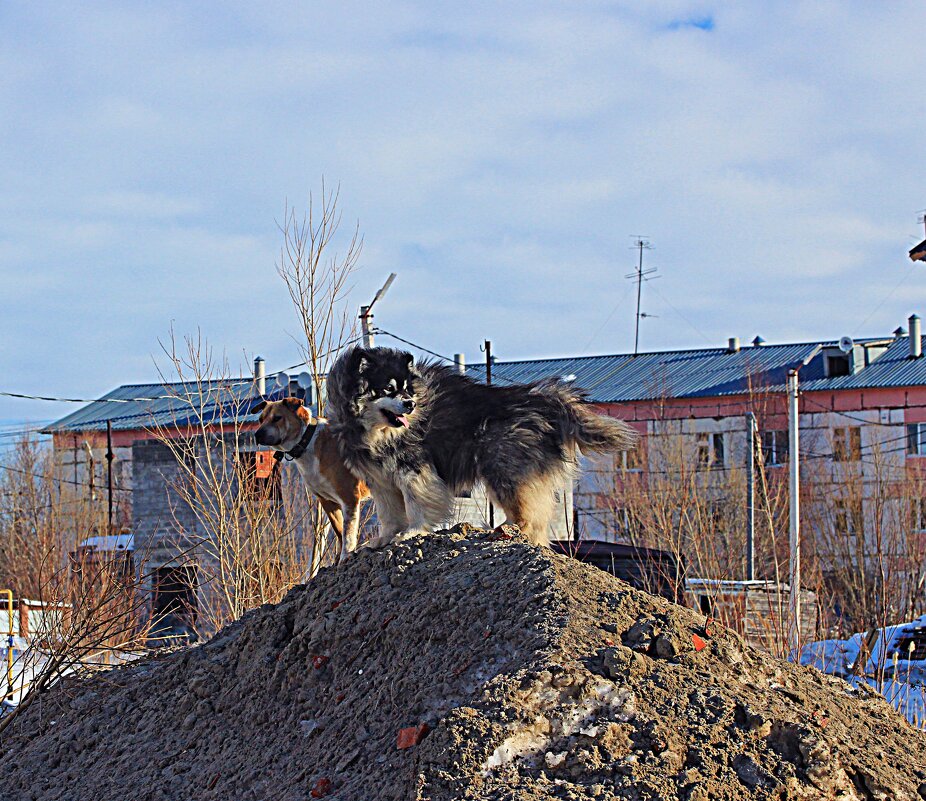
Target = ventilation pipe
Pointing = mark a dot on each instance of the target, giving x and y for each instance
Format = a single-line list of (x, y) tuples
[(758, 342), (733, 345), (916, 345), (899, 332), (459, 361), (260, 376)]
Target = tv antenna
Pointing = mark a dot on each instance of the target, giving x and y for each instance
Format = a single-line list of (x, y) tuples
[(640, 275)]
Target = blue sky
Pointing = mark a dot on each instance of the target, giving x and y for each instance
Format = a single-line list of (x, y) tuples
[(497, 156)]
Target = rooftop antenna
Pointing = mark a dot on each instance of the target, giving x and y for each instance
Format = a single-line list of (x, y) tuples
[(365, 315), (640, 243)]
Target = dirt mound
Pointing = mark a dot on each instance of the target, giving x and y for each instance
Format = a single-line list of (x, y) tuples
[(507, 671)]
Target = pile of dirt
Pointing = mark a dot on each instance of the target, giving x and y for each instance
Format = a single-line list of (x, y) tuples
[(505, 671)]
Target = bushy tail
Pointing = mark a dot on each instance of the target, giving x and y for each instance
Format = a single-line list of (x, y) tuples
[(596, 432), (582, 426)]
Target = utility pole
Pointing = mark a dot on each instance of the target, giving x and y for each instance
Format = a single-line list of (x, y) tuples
[(750, 496), (366, 329), (488, 350), (794, 539), (109, 476), (640, 275)]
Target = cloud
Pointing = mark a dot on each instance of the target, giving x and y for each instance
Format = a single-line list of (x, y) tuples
[(498, 159)]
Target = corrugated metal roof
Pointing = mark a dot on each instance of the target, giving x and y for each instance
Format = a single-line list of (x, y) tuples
[(616, 378), (893, 368), (670, 374), (135, 406)]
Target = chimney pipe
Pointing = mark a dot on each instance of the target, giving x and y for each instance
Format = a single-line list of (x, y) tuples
[(459, 361), (758, 342), (733, 345), (260, 377), (916, 345)]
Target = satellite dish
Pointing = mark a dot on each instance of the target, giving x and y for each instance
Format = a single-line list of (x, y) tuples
[(846, 344), (304, 380), (282, 381)]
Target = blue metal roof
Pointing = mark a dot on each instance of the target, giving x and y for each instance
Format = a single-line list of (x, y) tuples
[(893, 368), (136, 406), (712, 372), (617, 378), (669, 374)]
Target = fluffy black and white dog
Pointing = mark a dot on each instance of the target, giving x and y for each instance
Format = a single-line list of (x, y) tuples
[(420, 434)]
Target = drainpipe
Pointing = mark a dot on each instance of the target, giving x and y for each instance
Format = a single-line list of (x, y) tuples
[(9, 644)]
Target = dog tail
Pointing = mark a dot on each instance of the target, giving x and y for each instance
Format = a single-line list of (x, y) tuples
[(592, 432)]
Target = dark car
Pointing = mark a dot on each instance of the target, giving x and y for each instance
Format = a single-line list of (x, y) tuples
[(649, 569)]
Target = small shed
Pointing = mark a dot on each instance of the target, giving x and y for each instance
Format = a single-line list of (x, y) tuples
[(757, 610)]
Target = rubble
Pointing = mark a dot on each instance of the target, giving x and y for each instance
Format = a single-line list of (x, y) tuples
[(464, 665)]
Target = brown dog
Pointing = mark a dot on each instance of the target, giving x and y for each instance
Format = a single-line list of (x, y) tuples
[(289, 428)]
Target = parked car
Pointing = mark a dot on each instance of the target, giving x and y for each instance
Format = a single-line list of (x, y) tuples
[(649, 569)]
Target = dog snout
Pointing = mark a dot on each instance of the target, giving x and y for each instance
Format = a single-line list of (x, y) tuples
[(262, 437)]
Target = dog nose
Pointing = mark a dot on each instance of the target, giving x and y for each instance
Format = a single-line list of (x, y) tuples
[(409, 404)]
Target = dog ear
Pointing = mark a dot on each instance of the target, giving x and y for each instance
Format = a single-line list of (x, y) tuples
[(259, 407), (409, 361), (360, 359), (296, 404)]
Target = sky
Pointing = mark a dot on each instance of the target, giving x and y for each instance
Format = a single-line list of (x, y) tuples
[(499, 157)]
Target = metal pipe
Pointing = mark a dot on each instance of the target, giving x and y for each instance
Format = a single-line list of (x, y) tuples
[(459, 361), (794, 538), (109, 476), (260, 376), (750, 496), (489, 383), (916, 343), (9, 644)]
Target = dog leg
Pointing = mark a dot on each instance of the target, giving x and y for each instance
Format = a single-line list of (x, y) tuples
[(530, 507), (428, 500), (333, 510), (390, 512), (351, 530)]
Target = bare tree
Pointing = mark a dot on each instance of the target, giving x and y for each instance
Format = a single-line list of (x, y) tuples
[(88, 598), (318, 280)]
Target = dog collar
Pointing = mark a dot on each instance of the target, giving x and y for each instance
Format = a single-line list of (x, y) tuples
[(300, 448)]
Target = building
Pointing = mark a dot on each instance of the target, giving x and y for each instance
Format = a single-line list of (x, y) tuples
[(164, 438), (862, 424)]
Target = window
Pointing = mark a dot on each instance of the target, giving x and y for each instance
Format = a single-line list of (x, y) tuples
[(625, 523), (775, 445), (918, 514), (848, 515), (837, 365), (631, 460), (916, 439), (847, 444), (710, 451)]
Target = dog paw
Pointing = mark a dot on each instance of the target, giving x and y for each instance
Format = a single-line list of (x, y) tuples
[(376, 543), (411, 533)]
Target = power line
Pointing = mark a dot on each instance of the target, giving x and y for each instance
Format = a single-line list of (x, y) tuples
[(438, 355), (175, 396), (59, 480)]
